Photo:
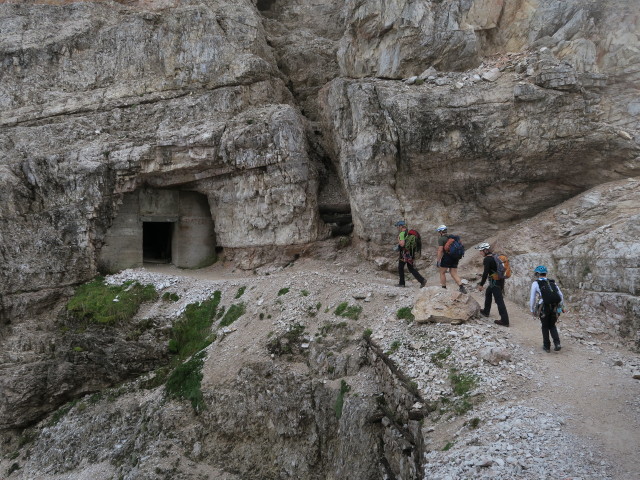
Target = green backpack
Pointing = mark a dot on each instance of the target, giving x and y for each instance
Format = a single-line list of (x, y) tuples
[(413, 243)]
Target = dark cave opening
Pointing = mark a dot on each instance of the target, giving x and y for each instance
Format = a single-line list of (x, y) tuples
[(156, 242), (265, 5)]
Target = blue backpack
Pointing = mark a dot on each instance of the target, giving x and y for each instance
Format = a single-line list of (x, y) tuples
[(454, 247)]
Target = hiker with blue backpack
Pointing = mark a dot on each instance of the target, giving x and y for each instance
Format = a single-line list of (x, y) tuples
[(450, 251), (408, 247), (545, 302), (495, 273)]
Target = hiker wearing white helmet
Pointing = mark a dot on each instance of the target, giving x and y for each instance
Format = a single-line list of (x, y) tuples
[(495, 290), (450, 251)]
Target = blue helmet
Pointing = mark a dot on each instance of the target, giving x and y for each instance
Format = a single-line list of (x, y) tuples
[(540, 269), (441, 228), (400, 223)]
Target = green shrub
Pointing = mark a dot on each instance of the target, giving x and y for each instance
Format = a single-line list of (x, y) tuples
[(404, 313), (283, 291), (159, 377), (235, 312), (367, 333), (192, 332), (288, 342), (344, 388), (240, 292), (474, 423), (304, 293), (439, 357), (462, 383), (344, 242), (170, 297), (328, 327), (108, 304), (447, 446), (186, 380), (395, 345), (61, 412), (348, 311)]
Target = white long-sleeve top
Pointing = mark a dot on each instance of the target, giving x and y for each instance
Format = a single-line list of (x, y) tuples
[(535, 292)]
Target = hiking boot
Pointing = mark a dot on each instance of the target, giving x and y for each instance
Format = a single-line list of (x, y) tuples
[(400, 285), (423, 284), (546, 349), (501, 323), (462, 289), (443, 286), (557, 348), (483, 314)]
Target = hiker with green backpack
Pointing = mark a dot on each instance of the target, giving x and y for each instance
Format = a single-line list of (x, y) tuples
[(409, 245), (546, 302)]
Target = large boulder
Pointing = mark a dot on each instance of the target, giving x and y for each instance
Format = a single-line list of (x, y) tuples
[(436, 304)]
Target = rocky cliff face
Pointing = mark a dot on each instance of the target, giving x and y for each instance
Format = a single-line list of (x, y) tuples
[(509, 108), (480, 114)]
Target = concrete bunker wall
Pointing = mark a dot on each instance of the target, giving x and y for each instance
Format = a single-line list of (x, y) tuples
[(160, 226)]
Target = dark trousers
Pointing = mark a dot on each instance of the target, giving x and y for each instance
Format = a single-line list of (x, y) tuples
[(411, 269), (548, 319), (494, 290)]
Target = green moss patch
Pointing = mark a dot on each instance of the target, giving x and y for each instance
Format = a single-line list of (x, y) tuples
[(233, 313), (348, 311), (186, 380), (109, 304), (192, 332), (405, 314)]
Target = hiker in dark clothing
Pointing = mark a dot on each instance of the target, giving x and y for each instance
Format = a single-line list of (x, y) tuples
[(406, 257), (495, 288), (548, 313)]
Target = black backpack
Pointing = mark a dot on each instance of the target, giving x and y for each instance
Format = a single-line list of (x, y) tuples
[(549, 292)]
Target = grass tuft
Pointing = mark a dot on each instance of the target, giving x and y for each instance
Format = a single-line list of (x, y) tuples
[(404, 313), (348, 311), (462, 383), (109, 304), (344, 388), (288, 342), (395, 345), (170, 297), (186, 380), (192, 332), (439, 357), (234, 312)]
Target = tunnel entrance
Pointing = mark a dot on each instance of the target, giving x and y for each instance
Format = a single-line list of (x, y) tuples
[(156, 242), (160, 226)]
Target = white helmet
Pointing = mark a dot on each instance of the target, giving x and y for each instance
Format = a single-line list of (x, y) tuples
[(483, 246), (441, 228)]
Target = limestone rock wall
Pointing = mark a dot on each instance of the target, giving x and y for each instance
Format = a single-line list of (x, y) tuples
[(101, 99), (590, 245), (474, 113)]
